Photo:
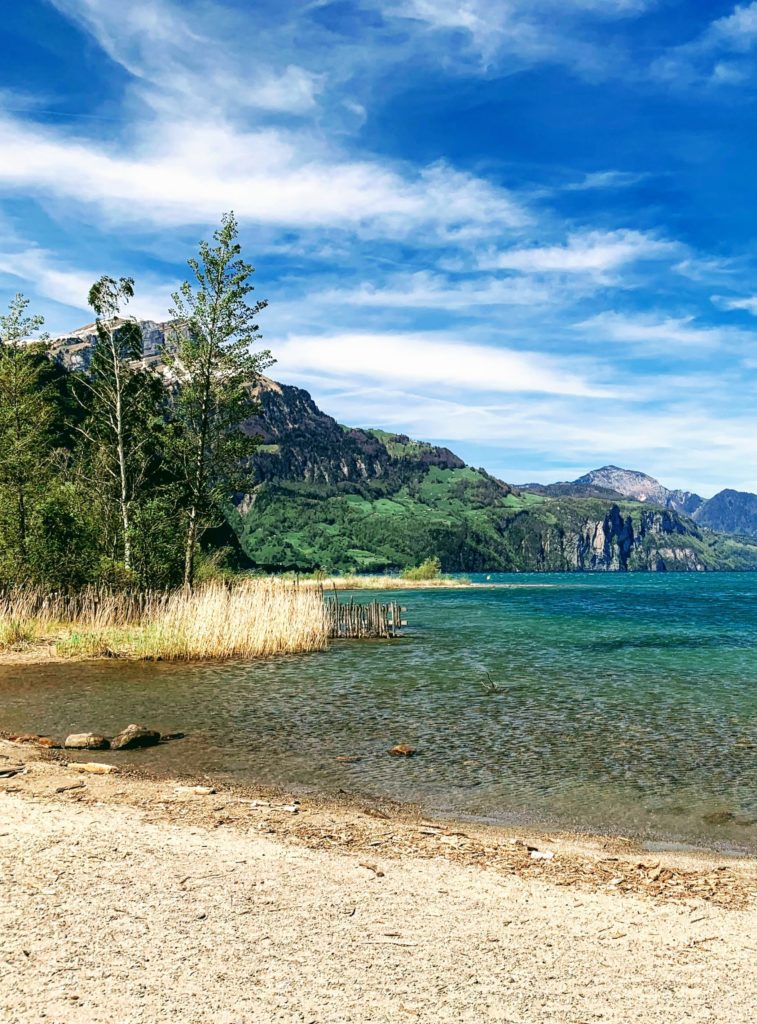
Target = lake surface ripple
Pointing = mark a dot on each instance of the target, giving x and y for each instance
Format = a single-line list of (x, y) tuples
[(628, 704)]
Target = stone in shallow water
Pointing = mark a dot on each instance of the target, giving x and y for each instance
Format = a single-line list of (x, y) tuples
[(85, 741), (719, 817), (135, 736), (403, 750)]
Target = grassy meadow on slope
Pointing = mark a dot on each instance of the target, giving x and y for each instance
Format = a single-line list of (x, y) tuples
[(462, 516)]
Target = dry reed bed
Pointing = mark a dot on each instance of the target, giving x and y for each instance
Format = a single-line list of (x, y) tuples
[(384, 583), (216, 621)]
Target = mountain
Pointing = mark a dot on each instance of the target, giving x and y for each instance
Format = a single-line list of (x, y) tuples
[(640, 487), (323, 495), (730, 512), (571, 489), (326, 495)]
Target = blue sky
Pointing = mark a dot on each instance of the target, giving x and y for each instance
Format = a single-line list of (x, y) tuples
[(523, 228)]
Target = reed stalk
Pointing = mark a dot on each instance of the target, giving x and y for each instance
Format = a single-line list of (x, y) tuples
[(216, 621)]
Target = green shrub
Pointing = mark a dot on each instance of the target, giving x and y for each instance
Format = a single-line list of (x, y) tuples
[(431, 569)]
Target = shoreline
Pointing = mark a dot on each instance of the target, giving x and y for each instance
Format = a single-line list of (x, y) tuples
[(580, 852), (401, 809), (129, 897)]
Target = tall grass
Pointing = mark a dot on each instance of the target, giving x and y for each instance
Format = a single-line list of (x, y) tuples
[(355, 582), (216, 621)]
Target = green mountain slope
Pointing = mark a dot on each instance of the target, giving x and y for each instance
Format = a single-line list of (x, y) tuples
[(326, 496)]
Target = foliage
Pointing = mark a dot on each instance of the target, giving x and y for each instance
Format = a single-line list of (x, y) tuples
[(107, 474), (214, 370), (25, 429), (430, 569), (121, 399)]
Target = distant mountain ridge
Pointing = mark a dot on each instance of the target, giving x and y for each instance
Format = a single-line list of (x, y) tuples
[(641, 487), (322, 495), (729, 511)]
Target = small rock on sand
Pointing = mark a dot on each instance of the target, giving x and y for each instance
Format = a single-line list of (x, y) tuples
[(196, 790), (403, 750), (86, 741), (134, 736), (93, 767)]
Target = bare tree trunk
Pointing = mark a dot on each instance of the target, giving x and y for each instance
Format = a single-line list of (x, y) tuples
[(189, 554), (199, 478), (22, 531), (123, 477)]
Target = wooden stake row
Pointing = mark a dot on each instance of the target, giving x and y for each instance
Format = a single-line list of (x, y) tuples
[(350, 620)]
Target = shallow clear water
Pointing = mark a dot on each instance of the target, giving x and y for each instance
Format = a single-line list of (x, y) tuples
[(628, 703)]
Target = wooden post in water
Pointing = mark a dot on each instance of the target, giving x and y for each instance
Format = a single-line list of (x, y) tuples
[(350, 620)]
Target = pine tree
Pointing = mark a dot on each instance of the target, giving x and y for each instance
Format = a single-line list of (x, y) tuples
[(26, 415), (209, 354)]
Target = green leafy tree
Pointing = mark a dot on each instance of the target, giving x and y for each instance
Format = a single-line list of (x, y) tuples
[(209, 354), (122, 399), (26, 417), (63, 538)]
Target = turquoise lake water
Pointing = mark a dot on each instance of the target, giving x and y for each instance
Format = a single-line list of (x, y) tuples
[(628, 704)]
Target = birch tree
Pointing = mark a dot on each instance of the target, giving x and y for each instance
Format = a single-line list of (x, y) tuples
[(120, 396)]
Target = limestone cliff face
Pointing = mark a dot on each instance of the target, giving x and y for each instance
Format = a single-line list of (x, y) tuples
[(74, 350), (645, 541), (620, 538)]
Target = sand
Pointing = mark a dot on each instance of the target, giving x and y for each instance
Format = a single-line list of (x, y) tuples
[(126, 900)]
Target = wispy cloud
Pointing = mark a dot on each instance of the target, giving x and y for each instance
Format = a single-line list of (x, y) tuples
[(177, 55), (432, 360), (69, 286), (428, 290), (606, 180), (721, 55), (528, 30), (747, 303), (664, 335), (188, 172), (598, 253), (527, 305)]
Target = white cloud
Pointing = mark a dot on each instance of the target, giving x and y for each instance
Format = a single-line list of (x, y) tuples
[(526, 31), (683, 444), (737, 30), (432, 361), (748, 303), (46, 278), (660, 334), (188, 173), (427, 290), (606, 180), (590, 252), (179, 55), (721, 55)]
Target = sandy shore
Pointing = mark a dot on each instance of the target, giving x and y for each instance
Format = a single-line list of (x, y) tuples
[(125, 899)]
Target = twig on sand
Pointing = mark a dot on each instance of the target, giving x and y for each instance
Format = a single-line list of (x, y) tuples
[(388, 942), (374, 868), (74, 785)]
